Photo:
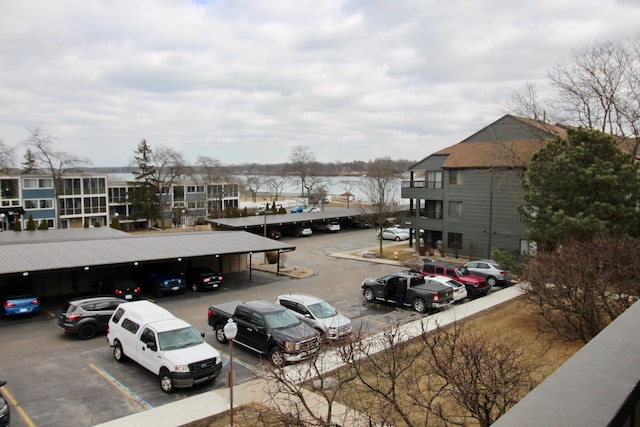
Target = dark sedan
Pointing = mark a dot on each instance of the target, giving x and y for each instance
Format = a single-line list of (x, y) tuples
[(201, 278)]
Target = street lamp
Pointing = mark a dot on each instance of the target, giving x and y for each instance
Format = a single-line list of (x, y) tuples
[(184, 218), (3, 216), (230, 332)]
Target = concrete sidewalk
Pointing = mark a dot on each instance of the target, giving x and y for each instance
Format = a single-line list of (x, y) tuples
[(214, 402)]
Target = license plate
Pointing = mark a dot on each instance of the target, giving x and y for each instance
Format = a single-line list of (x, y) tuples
[(24, 310), (175, 288), (128, 297)]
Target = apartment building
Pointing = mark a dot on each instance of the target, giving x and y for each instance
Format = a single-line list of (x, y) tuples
[(466, 196)]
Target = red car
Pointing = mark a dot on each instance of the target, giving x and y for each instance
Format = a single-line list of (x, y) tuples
[(476, 286)]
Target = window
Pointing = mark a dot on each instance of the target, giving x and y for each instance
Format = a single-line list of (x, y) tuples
[(434, 179), (71, 186), (95, 205), (433, 209), (37, 183), (93, 185), (72, 206), (195, 188), (454, 240), (117, 315), (455, 177), (455, 209), (30, 204), (130, 326)]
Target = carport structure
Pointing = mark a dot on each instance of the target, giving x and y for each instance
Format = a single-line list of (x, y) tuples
[(67, 262)]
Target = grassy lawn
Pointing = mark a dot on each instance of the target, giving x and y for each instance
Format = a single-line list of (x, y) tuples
[(515, 322)]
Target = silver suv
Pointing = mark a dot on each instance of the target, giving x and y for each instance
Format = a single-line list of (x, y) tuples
[(317, 313), (491, 270)]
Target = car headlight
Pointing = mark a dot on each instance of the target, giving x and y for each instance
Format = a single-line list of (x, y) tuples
[(181, 368), (289, 346)]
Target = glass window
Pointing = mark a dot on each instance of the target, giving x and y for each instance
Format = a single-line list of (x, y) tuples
[(454, 240), (455, 209), (434, 179), (455, 177)]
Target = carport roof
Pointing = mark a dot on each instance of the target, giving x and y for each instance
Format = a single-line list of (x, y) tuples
[(59, 253)]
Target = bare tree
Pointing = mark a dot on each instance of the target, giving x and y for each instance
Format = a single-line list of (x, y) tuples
[(599, 89), (57, 163), (432, 376), (380, 187), (527, 103), (276, 186), (169, 168), (348, 187), (209, 171), (304, 166), (6, 158), (578, 302), (253, 184)]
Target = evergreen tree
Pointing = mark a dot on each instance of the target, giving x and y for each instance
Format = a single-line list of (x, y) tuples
[(29, 164), (17, 226), (579, 188), (31, 224), (43, 225), (145, 199)]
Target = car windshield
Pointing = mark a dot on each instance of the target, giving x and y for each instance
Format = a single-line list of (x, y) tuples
[(179, 338), (281, 319), (322, 310), (462, 271)]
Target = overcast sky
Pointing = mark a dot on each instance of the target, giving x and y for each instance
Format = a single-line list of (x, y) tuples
[(243, 81)]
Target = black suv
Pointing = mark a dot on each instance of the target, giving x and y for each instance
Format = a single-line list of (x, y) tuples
[(123, 287), (85, 316)]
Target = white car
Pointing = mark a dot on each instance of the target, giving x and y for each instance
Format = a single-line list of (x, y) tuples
[(459, 290), (396, 234), (317, 313)]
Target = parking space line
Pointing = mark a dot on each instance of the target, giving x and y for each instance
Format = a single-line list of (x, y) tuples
[(18, 408), (124, 389)]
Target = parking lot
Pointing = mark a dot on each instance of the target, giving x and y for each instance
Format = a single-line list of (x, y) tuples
[(59, 380)]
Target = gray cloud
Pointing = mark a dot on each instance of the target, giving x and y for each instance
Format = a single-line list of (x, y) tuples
[(243, 81)]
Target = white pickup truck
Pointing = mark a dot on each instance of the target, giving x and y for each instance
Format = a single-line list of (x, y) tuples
[(167, 346)]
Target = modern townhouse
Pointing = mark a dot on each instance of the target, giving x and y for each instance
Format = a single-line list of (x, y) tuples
[(466, 196)]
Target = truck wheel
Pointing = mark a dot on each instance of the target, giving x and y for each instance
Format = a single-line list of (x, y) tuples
[(276, 357), (166, 381), (369, 295), (220, 336), (87, 331), (118, 352), (491, 281), (321, 336), (419, 305)]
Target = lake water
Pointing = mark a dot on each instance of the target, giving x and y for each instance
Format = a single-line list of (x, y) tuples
[(336, 185)]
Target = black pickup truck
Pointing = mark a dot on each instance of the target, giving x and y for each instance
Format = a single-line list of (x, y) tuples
[(267, 328), (422, 295)]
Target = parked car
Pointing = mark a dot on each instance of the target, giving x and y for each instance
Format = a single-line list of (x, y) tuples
[(299, 230), (5, 412), (476, 286), (124, 287), (274, 234), (459, 289), (201, 278), (297, 209), (18, 300), (317, 313), (328, 226), (490, 270), (86, 316), (396, 234), (359, 223), (311, 209), (160, 284)]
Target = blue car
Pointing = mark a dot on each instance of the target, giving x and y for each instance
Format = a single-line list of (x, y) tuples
[(17, 300), (160, 284), (297, 209)]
